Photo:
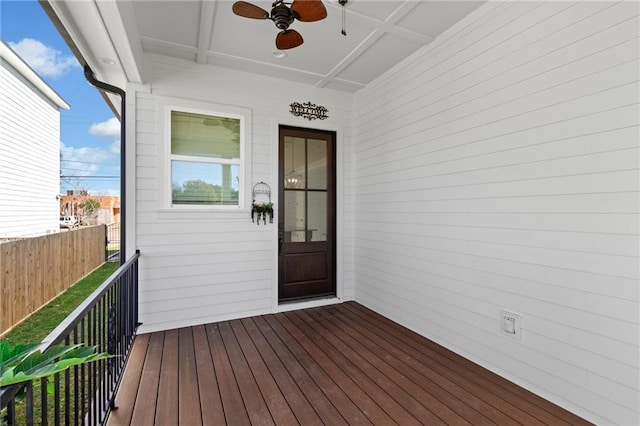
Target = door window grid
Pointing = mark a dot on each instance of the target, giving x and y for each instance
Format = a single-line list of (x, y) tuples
[(305, 182)]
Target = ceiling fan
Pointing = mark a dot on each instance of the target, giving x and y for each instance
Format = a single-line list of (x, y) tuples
[(283, 16)]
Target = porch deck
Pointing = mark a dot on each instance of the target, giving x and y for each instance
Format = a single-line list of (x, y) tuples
[(341, 364)]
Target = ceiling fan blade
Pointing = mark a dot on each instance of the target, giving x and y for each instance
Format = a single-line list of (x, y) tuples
[(288, 39), (248, 10), (308, 10)]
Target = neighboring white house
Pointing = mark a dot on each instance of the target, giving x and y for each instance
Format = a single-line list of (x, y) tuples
[(496, 168), (29, 150)]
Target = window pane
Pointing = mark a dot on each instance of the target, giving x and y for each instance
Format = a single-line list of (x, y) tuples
[(317, 216), (205, 135), (294, 217), (294, 162), (204, 183), (317, 164)]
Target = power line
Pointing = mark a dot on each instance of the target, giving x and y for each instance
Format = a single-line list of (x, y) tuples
[(78, 170), (64, 169), (89, 177), (84, 162)]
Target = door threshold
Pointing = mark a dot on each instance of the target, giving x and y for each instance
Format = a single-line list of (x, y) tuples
[(292, 305)]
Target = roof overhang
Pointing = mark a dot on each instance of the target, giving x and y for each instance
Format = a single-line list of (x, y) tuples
[(97, 37), (12, 58)]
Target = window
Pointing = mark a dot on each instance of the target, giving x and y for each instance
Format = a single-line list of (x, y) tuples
[(206, 158)]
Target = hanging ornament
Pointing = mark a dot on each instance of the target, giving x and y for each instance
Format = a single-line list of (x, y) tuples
[(262, 205)]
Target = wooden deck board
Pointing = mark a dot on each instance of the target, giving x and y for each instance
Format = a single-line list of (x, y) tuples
[(397, 403), (282, 379), (277, 404), (423, 391), (133, 370), (340, 364), (145, 404), (234, 409), (343, 381), (519, 402), (309, 380), (167, 407), (253, 399), (210, 402), (426, 377), (188, 397), (446, 363)]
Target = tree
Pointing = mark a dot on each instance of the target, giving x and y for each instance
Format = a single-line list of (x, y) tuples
[(89, 208), (196, 191)]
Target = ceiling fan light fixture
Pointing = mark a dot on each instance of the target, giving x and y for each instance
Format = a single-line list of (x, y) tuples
[(283, 16)]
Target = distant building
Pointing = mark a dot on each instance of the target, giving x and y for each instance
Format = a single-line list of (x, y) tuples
[(29, 150), (74, 202)]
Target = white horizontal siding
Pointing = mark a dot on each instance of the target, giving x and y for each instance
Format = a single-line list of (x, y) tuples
[(200, 266), (29, 158), (499, 168)]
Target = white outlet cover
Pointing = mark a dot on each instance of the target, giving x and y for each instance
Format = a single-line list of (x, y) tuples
[(510, 324)]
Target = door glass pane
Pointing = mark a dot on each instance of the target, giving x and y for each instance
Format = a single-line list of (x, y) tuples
[(294, 217), (317, 216), (317, 164), (294, 162)]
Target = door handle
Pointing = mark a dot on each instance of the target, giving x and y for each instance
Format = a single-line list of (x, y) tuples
[(280, 239)]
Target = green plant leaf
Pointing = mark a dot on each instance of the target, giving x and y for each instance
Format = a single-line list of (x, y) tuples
[(25, 362)]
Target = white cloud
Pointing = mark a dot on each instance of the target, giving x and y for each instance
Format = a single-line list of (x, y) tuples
[(45, 60), (114, 148), (107, 129), (83, 161)]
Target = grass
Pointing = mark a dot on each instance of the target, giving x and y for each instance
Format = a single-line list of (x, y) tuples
[(41, 323)]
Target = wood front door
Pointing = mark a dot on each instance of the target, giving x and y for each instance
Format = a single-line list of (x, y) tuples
[(306, 217)]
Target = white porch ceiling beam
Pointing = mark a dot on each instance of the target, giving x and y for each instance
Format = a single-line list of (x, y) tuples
[(125, 37), (205, 32), (377, 33), (86, 43)]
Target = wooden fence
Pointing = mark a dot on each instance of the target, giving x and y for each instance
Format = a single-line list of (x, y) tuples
[(35, 270)]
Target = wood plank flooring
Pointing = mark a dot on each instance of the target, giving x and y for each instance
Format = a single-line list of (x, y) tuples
[(335, 365)]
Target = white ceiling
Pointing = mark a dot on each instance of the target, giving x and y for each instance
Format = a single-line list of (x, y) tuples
[(379, 35)]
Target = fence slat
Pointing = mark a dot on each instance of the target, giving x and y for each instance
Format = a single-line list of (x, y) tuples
[(33, 271)]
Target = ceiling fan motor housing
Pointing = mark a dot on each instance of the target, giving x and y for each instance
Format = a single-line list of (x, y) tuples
[(282, 16)]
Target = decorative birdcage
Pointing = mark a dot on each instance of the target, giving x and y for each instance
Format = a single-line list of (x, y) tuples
[(262, 207)]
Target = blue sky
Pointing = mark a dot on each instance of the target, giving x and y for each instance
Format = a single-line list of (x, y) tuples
[(89, 132)]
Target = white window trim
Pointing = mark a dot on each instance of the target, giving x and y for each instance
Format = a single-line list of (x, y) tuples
[(165, 107)]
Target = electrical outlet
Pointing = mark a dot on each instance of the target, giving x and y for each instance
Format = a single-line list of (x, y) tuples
[(510, 324)]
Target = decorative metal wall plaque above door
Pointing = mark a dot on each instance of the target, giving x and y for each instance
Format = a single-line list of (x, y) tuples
[(309, 111)]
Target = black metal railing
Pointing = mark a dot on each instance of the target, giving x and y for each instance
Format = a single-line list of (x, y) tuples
[(82, 395), (113, 242)]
